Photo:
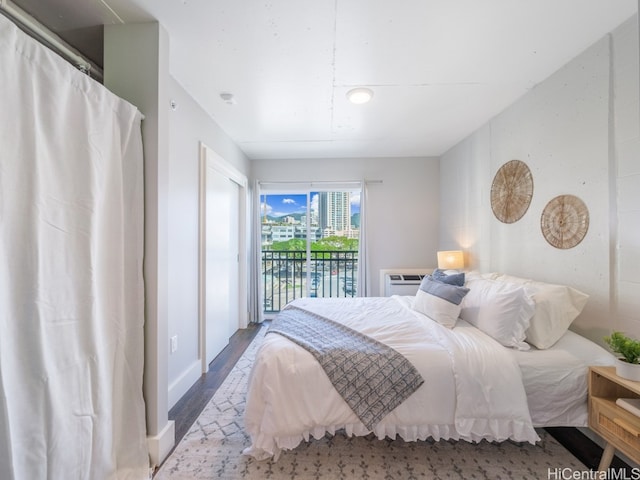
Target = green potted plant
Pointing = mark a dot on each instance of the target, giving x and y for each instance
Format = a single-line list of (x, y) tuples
[(628, 349)]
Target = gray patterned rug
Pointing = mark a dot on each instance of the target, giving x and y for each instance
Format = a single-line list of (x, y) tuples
[(212, 449)]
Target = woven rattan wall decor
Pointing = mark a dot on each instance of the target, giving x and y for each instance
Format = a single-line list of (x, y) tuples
[(565, 221), (511, 191)]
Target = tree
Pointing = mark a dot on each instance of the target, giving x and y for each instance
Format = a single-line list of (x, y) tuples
[(293, 245), (335, 243), (329, 244)]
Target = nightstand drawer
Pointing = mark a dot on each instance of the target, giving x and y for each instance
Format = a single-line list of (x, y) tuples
[(613, 422)]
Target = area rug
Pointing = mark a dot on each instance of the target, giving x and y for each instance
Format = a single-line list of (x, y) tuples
[(212, 449)]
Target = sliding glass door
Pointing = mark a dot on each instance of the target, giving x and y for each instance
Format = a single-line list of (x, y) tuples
[(309, 244)]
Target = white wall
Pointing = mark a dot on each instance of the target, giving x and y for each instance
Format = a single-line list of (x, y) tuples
[(626, 183), (189, 125), (137, 69), (403, 209), (578, 133), (136, 66)]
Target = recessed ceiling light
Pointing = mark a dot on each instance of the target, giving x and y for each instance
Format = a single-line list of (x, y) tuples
[(360, 95)]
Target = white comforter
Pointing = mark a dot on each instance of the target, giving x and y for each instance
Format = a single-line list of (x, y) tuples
[(473, 388)]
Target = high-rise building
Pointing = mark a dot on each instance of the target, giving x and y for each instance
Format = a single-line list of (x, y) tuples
[(334, 211)]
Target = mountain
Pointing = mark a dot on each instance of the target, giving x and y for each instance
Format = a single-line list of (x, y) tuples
[(297, 216)]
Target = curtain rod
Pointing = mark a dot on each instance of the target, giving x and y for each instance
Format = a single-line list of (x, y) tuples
[(41, 33), (321, 182)]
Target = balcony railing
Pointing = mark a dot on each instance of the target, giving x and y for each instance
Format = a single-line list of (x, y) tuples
[(286, 276)]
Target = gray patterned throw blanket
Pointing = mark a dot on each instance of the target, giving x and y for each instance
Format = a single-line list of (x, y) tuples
[(371, 377)]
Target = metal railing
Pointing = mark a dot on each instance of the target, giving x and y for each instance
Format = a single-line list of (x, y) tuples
[(286, 275)]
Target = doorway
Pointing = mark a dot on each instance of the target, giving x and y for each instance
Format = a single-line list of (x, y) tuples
[(309, 243), (223, 258)]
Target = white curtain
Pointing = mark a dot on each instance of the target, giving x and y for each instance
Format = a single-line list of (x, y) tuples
[(71, 287), (256, 310), (364, 282)]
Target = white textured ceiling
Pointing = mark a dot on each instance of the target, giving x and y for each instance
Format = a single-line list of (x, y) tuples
[(439, 69)]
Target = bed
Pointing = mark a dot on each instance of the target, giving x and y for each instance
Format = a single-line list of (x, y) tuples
[(473, 386)]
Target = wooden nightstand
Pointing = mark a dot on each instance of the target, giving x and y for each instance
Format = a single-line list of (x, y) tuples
[(620, 428)]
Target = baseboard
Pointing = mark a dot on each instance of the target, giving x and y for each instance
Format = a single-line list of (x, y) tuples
[(183, 383), (161, 445)]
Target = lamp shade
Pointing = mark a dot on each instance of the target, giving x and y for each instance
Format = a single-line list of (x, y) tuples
[(450, 259)]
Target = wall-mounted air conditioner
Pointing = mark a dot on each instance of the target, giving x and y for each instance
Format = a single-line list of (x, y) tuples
[(402, 281)]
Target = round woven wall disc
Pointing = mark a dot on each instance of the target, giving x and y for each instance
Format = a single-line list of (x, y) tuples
[(511, 191), (565, 221)]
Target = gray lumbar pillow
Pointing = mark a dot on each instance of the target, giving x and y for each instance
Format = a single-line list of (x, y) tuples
[(451, 279)]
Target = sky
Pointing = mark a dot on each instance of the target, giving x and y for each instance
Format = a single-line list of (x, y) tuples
[(286, 204)]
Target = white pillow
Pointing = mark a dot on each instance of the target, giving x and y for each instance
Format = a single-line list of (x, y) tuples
[(439, 301), (475, 274), (557, 306), (500, 310)]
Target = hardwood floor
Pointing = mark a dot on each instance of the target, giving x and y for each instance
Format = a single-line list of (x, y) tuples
[(585, 449), (188, 408)]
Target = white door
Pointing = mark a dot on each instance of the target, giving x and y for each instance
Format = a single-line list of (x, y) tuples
[(221, 277)]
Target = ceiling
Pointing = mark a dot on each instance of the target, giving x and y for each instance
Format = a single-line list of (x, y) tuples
[(439, 69)]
